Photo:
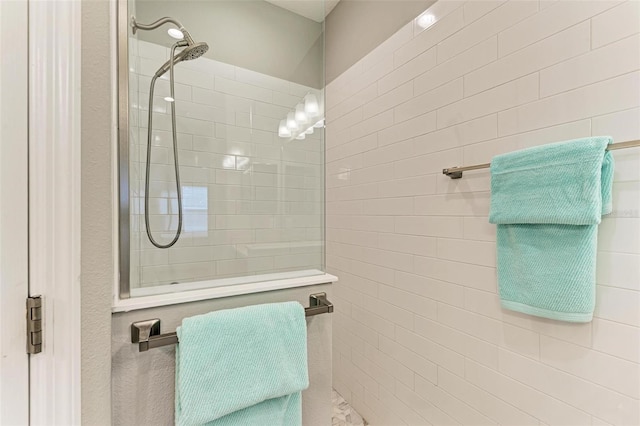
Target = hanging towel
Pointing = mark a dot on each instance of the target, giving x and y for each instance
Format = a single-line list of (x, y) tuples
[(547, 202), (244, 366)]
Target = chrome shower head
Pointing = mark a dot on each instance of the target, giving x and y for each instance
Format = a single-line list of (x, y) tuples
[(191, 51)]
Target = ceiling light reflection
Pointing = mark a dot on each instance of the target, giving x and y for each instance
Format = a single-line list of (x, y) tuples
[(175, 33), (292, 124), (426, 20), (311, 106), (283, 130), (300, 115)]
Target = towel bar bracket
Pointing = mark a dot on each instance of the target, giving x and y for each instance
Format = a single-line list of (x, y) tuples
[(143, 331), (452, 174), (318, 304), (147, 333)]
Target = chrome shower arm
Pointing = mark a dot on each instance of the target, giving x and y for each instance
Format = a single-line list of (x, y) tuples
[(152, 26), (166, 20)]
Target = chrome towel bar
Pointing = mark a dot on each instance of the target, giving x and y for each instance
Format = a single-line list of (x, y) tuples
[(147, 333), (456, 172)]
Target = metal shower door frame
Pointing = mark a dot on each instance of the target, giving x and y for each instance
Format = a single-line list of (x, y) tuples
[(124, 242)]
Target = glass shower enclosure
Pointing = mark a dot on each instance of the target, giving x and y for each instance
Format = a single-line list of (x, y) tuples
[(249, 129)]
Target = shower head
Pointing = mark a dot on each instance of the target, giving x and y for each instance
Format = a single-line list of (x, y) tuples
[(191, 51)]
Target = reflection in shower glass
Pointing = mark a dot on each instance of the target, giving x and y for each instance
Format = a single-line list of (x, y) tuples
[(250, 134), (195, 204)]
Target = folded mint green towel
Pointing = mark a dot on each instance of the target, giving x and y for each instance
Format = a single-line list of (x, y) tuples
[(547, 202), (244, 366)]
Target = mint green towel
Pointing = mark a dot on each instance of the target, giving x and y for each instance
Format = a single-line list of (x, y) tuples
[(244, 366), (547, 202)]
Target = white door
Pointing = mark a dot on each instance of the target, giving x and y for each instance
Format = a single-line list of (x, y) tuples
[(14, 361)]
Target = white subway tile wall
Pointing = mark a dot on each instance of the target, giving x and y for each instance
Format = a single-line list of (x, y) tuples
[(253, 202), (420, 337)]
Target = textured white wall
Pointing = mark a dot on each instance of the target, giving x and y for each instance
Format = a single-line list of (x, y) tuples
[(253, 202), (97, 231), (419, 335)]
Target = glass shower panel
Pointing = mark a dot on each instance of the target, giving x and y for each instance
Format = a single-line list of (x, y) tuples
[(250, 147)]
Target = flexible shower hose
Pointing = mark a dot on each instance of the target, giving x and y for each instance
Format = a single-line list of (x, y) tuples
[(175, 157)]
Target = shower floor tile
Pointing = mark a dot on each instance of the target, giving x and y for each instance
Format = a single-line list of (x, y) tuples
[(343, 414)]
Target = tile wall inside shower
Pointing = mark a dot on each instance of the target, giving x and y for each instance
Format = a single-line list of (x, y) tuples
[(419, 335), (252, 201)]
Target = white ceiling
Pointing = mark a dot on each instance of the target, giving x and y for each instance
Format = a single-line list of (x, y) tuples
[(312, 9)]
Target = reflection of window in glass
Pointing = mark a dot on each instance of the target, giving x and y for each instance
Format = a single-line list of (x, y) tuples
[(195, 202)]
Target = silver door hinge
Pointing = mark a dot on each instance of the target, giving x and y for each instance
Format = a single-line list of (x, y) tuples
[(34, 325)]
